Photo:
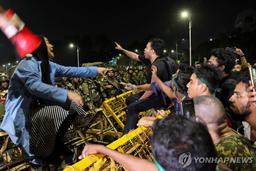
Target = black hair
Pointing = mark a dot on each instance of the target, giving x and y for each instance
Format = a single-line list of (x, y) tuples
[(174, 136), (183, 77), (217, 52), (243, 76), (210, 76), (225, 57), (158, 45), (42, 54), (227, 90), (227, 87)]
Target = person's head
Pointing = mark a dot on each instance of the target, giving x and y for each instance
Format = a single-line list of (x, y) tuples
[(239, 101), (64, 79), (223, 59), (75, 80), (214, 56), (204, 81), (110, 74), (227, 90), (154, 48), (210, 111), (117, 73), (176, 136), (182, 77), (49, 48), (4, 81)]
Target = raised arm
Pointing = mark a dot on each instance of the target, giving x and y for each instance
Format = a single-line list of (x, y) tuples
[(28, 74), (67, 71), (167, 90), (244, 63), (128, 53), (142, 87)]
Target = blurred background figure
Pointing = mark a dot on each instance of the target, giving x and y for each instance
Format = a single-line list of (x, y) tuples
[(4, 84)]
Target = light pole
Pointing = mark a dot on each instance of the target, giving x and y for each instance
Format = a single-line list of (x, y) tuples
[(186, 14), (72, 45)]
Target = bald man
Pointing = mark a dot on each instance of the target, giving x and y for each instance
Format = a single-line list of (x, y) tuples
[(210, 111)]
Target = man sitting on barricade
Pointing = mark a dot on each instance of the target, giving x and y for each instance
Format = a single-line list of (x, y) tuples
[(164, 94)]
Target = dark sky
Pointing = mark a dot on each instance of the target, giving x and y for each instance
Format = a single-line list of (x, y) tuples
[(125, 21)]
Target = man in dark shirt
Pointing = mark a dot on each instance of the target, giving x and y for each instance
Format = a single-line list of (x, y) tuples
[(152, 56), (140, 102)]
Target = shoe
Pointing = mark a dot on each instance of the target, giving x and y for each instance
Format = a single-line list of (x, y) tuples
[(36, 162), (71, 159)]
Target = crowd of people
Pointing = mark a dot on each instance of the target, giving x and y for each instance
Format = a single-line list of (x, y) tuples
[(223, 100), (95, 90), (221, 126)]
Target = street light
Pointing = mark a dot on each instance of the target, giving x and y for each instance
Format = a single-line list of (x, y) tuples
[(186, 14), (72, 45)]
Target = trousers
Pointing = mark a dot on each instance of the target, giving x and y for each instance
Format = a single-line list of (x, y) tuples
[(133, 110)]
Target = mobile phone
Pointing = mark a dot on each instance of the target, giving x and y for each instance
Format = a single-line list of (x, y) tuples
[(188, 109), (252, 72)]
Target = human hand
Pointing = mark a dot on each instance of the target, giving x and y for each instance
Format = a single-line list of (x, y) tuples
[(103, 71), (129, 86), (154, 72), (239, 52), (160, 113), (74, 97), (118, 47), (108, 86), (146, 121), (91, 149), (10, 21)]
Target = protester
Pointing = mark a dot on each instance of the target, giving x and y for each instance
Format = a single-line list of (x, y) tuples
[(34, 106), (173, 137)]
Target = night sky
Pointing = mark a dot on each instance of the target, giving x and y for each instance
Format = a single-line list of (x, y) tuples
[(94, 25)]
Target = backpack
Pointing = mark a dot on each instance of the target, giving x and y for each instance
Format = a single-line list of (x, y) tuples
[(170, 65)]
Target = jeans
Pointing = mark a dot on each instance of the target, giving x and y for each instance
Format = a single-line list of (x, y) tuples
[(132, 114), (134, 97)]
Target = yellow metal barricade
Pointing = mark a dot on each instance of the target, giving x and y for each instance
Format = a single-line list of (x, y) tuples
[(135, 143), (11, 157), (106, 126), (110, 122), (115, 107)]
